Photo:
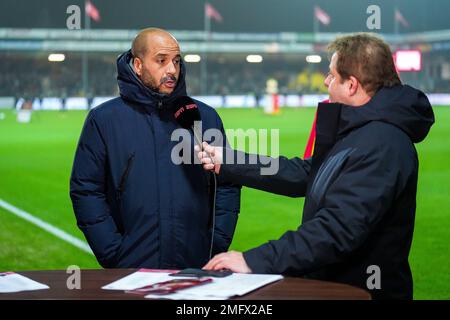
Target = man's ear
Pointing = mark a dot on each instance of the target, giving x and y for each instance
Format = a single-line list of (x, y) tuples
[(353, 85), (137, 64)]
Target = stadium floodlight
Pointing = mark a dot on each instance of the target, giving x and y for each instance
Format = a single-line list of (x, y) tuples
[(314, 58), (194, 58), (56, 57), (254, 58), (408, 60)]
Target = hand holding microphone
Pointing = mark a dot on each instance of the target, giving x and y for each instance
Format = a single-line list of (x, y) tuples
[(211, 157), (187, 114)]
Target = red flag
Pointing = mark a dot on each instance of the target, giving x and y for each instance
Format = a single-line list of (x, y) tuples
[(400, 18), (92, 11), (321, 15), (211, 12)]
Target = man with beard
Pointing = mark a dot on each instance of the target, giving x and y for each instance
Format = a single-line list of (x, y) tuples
[(135, 206)]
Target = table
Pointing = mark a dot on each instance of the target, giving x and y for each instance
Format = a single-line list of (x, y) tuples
[(92, 281)]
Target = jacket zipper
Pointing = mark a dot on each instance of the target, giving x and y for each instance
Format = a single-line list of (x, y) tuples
[(150, 121)]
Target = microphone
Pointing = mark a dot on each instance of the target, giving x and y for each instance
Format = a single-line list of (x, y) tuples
[(186, 114)]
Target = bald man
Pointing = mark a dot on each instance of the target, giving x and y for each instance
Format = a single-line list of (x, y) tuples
[(135, 206), (157, 59)]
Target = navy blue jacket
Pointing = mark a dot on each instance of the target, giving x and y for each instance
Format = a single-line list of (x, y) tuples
[(136, 207), (360, 195)]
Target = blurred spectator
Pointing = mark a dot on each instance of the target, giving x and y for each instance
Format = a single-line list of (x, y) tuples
[(31, 75)]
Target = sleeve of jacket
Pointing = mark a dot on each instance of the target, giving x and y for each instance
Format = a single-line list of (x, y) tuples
[(228, 203), (87, 191), (283, 176), (352, 206)]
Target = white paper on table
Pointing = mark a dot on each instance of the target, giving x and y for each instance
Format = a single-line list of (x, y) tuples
[(14, 282), (236, 284), (138, 279)]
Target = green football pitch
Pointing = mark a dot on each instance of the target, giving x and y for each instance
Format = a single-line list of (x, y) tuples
[(36, 160)]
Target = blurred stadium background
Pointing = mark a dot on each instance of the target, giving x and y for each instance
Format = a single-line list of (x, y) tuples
[(52, 76)]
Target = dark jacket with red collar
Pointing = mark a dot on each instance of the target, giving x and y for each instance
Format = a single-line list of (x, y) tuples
[(360, 195)]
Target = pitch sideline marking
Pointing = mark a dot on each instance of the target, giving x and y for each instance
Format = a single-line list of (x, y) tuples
[(46, 226)]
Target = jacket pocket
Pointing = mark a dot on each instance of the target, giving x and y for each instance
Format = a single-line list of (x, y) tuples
[(124, 177)]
